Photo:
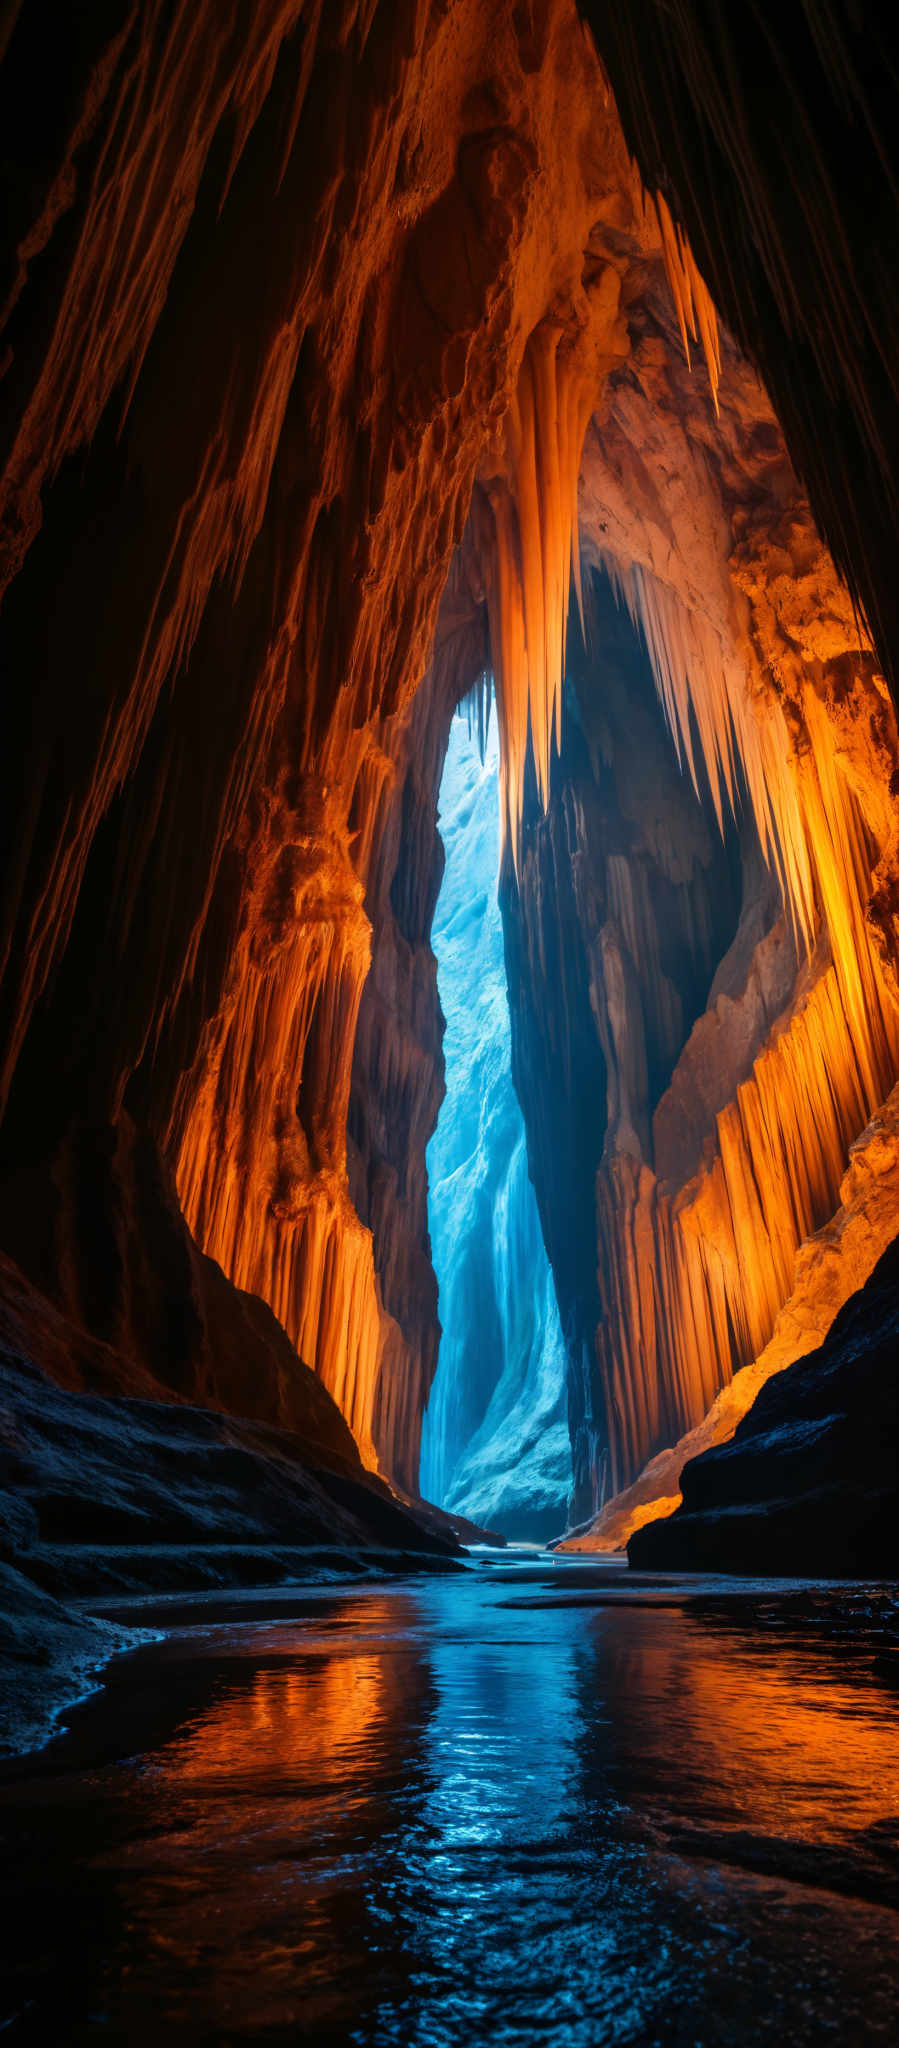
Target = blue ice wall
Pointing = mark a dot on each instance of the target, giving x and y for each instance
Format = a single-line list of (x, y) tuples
[(495, 1445)]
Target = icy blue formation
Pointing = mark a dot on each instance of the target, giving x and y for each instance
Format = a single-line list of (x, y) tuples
[(495, 1444)]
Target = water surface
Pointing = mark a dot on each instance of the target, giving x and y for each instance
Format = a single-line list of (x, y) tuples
[(440, 1813)]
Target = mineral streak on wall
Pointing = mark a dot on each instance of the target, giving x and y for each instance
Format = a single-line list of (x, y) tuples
[(262, 1168), (830, 1267)]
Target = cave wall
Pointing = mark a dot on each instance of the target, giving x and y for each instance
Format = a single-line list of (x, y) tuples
[(269, 285), (772, 132), (276, 292), (747, 601), (778, 710)]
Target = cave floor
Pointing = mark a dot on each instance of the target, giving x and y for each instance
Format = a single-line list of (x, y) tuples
[(538, 1802)]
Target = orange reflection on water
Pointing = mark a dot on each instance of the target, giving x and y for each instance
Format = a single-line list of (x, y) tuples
[(317, 1713), (316, 1717), (436, 1817), (752, 1730)]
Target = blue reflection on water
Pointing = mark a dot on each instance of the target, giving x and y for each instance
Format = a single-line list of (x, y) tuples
[(436, 1816)]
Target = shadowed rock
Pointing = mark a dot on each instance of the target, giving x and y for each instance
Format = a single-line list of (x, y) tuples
[(810, 1482)]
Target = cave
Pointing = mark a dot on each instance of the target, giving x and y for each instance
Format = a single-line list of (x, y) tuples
[(449, 990)]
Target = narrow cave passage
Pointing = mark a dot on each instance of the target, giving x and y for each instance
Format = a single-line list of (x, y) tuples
[(495, 1444)]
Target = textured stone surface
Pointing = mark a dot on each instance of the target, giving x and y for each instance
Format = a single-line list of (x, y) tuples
[(793, 237), (128, 1497), (243, 420), (808, 1483), (699, 1220), (830, 1267)]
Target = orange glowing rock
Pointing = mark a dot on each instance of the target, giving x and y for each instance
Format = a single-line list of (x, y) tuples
[(696, 313), (712, 1266), (829, 1267), (533, 549)]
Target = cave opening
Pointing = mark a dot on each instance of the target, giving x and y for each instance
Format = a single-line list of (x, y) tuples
[(495, 1440), (572, 973), (632, 914)]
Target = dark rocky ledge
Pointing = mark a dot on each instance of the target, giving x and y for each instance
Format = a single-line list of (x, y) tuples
[(809, 1484), (104, 1501)]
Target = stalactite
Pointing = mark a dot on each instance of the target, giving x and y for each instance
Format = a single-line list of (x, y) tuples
[(535, 545), (772, 130), (807, 818), (694, 1276), (696, 315), (707, 696), (534, 553), (476, 707), (693, 1280)]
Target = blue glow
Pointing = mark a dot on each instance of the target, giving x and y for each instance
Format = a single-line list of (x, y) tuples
[(520, 1806), (495, 1444)]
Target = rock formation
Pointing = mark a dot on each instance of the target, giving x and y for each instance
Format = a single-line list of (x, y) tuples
[(807, 1484), (241, 605), (831, 1266), (333, 338), (772, 133), (708, 1186)]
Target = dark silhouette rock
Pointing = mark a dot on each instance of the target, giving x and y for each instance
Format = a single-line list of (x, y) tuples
[(809, 1484)]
